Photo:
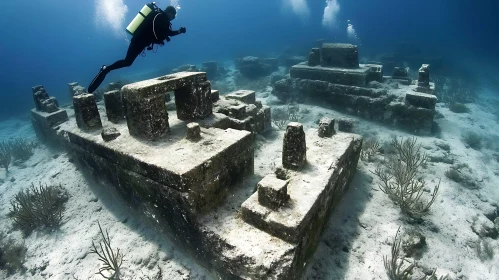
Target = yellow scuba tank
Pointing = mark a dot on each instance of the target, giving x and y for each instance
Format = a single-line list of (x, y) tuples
[(139, 18)]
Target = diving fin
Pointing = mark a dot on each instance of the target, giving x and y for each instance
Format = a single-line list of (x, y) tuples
[(98, 79)]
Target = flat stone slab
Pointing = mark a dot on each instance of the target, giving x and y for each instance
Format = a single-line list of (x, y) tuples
[(344, 76), (201, 168), (164, 83), (246, 96), (50, 119), (311, 190), (420, 99)]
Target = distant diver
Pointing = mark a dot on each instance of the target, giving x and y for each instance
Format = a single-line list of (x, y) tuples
[(151, 26)]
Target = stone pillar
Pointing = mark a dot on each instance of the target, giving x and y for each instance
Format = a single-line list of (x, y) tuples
[(272, 192), (194, 101), (114, 106), (314, 58), (339, 55), (294, 151), (193, 131), (145, 110), (424, 76), (326, 127), (86, 112), (345, 125)]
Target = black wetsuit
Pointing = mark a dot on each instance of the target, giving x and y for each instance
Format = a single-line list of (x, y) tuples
[(154, 30)]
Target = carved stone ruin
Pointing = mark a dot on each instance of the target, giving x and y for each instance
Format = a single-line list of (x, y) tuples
[(115, 110), (192, 186), (75, 89), (86, 112), (424, 84), (294, 148), (360, 89), (46, 115), (326, 127)]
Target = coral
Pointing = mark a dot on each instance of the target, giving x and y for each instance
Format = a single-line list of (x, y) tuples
[(400, 268), (12, 256), (484, 249), (21, 148), (281, 117), (370, 147), (400, 179), (112, 261), (458, 108), (40, 207), (461, 173), (5, 155), (473, 140)]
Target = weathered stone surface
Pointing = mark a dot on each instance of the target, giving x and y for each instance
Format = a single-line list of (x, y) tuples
[(419, 99), (252, 117), (86, 112), (110, 133), (194, 101), (424, 76), (400, 72), (326, 127), (145, 102), (114, 106), (215, 95), (42, 100), (246, 96), (375, 73), (359, 76), (339, 55), (272, 192), (44, 123), (346, 124), (294, 148), (75, 89), (313, 193), (314, 58), (193, 131)]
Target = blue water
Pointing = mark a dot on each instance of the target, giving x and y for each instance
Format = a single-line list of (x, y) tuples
[(54, 42)]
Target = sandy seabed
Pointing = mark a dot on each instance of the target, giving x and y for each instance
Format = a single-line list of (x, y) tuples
[(360, 232)]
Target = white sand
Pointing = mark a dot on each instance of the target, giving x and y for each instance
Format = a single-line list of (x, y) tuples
[(359, 233)]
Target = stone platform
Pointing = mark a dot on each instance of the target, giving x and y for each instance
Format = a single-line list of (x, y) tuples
[(192, 181), (333, 76), (360, 76)]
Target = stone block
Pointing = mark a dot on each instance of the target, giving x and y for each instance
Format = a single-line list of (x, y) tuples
[(343, 76), (86, 112), (147, 118), (44, 125), (114, 106), (294, 151), (109, 134), (326, 127), (267, 122), (424, 76), (375, 73), (419, 99), (194, 101), (339, 55), (193, 131), (313, 194), (314, 58), (400, 72), (346, 125), (272, 192), (246, 96), (215, 95)]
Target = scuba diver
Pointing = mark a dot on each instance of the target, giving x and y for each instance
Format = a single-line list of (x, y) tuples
[(151, 26)]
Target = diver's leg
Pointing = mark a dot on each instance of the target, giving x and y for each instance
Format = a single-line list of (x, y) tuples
[(134, 49)]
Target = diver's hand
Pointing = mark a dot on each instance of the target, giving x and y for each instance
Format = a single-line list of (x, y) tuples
[(182, 30)]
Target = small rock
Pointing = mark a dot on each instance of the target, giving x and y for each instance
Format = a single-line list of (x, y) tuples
[(110, 133), (12, 179), (55, 156), (413, 243)]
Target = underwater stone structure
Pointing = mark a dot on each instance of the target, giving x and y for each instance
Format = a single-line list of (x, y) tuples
[(244, 112), (86, 112), (115, 110), (46, 116), (361, 89), (191, 184), (254, 67), (75, 89)]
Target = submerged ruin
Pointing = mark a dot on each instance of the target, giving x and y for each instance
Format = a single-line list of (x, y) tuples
[(191, 169), (334, 77)]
